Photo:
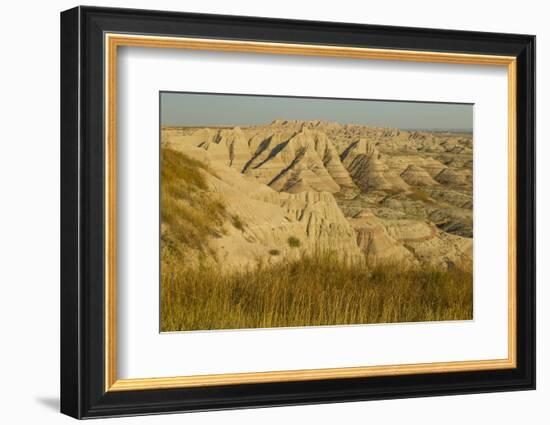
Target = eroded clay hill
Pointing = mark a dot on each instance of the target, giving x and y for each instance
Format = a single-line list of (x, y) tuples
[(294, 187)]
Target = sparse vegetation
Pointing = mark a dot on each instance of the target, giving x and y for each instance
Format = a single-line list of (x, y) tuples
[(189, 217), (274, 252), (293, 242), (419, 195), (237, 223), (312, 291)]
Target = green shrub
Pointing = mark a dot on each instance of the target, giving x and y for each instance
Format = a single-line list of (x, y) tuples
[(293, 242), (274, 252), (237, 223)]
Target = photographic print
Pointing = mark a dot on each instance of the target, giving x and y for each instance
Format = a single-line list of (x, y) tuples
[(311, 213), (292, 211)]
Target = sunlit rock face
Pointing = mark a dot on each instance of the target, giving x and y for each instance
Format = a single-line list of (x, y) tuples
[(363, 192)]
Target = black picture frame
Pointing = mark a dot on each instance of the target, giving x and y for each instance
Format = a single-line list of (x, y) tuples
[(83, 392)]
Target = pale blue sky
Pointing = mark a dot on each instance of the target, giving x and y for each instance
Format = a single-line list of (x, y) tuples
[(200, 109)]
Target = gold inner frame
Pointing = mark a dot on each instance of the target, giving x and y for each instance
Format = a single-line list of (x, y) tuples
[(113, 41)]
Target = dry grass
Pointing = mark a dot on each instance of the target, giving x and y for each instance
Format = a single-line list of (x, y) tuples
[(312, 291), (419, 195), (190, 217)]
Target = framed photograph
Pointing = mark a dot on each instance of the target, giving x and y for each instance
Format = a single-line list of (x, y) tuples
[(261, 212)]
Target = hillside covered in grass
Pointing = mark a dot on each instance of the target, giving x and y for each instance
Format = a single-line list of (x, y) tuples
[(189, 215)]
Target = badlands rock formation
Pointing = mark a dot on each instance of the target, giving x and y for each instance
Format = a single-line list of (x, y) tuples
[(361, 192)]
